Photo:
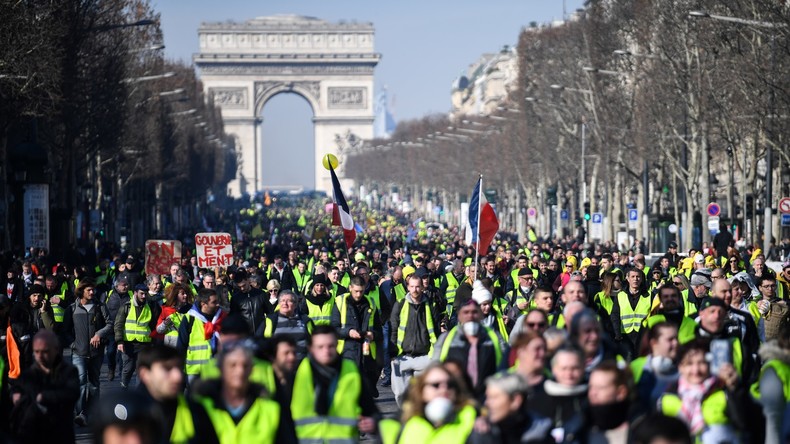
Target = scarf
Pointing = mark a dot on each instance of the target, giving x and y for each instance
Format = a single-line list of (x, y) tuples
[(691, 403)]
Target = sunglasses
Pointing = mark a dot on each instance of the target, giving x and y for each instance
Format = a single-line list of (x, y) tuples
[(536, 324), (438, 384)]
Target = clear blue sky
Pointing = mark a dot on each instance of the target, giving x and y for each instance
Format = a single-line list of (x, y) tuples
[(424, 45)]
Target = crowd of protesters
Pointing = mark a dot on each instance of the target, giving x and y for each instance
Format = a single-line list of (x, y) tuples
[(537, 341)]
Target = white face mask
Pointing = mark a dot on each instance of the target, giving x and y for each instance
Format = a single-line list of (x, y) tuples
[(470, 328), (438, 410)]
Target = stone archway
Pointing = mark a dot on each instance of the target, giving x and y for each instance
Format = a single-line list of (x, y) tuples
[(331, 65)]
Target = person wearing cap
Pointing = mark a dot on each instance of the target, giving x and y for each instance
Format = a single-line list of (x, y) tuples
[(479, 348), (672, 254), (521, 298), (414, 324), (699, 284), (161, 380), (358, 326), (130, 273), (26, 319), (431, 291), (493, 315), (44, 395), (318, 303), (713, 323), (135, 321), (240, 410), (281, 271), (86, 330)]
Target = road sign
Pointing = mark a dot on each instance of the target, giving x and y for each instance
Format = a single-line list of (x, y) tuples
[(633, 218), (713, 224), (784, 205), (786, 220), (532, 216), (714, 209), (596, 229), (564, 215)]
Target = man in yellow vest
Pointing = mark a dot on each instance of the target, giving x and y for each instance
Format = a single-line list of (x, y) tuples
[(479, 348), (198, 333), (632, 305), (135, 321), (184, 421), (318, 302), (330, 403), (414, 327), (358, 326)]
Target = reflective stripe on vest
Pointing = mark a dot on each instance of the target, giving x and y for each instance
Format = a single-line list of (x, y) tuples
[(404, 321), (340, 302), (448, 342), (319, 315), (340, 422), (136, 327), (183, 427), (199, 349), (632, 318), (259, 424)]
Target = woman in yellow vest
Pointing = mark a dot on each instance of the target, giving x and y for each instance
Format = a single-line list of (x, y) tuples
[(178, 301), (241, 411), (772, 390), (711, 405), (436, 411)]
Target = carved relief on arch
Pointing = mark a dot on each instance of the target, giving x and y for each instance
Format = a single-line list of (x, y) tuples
[(266, 89)]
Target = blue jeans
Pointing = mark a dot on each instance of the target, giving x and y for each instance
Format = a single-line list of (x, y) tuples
[(113, 357), (387, 359), (89, 369)]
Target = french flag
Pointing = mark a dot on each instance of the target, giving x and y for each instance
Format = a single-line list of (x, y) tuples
[(483, 224), (342, 214)]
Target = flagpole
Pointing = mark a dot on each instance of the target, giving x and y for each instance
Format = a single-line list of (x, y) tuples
[(477, 247)]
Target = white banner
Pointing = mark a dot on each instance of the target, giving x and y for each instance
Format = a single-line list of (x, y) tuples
[(36, 216)]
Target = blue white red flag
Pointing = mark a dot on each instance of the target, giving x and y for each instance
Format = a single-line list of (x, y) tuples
[(343, 211), (482, 224)]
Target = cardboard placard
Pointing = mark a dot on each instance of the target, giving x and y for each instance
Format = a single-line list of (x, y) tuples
[(214, 250), (160, 255)]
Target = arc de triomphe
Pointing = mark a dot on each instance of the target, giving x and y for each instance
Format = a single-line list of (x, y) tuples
[(243, 65)]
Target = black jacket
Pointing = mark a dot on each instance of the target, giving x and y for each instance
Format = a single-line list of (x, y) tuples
[(79, 326), (254, 309), (416, 341), (358, 317), (59, 390), (25, 322), (119, 325), (204, 430)]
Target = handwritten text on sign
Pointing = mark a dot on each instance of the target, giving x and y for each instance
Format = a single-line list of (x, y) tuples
[(214, 250), (160, 255)]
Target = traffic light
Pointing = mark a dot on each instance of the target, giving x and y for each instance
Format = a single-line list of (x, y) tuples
[(587, 215), (551, 196)]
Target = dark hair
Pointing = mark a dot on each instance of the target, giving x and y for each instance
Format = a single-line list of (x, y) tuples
[(656, 426), (204, 295), (356, 281), (270, 346), (157, 353), (321, 330), (697, 344), (85, 283)]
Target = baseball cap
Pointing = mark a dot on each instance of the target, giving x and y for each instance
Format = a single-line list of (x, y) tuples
[(673, 245), (526, 271), (130, 259), (712, 302)]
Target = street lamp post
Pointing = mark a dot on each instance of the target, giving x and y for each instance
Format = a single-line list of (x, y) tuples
[(769, 152)]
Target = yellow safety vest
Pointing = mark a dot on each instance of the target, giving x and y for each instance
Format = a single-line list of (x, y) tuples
[(199, 349), (301, 281), (404, 320), (418, 430), (452, 287), (340, 423), (258, 425), (491, 335), (632, 318), (183, 427), (340, 302), (136, 327), (320, 315), (400, 292), (782, 370), (714, 407)]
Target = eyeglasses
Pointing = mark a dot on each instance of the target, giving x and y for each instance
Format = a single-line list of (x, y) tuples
[(536, 324), (768, 287), (677, 283), (438, 384)]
